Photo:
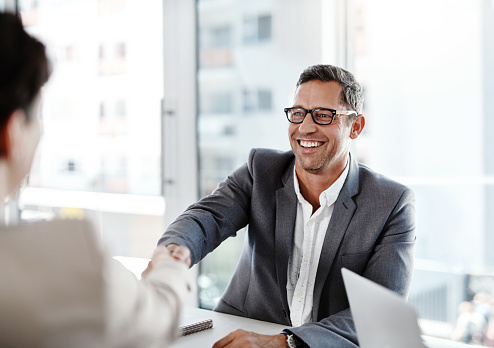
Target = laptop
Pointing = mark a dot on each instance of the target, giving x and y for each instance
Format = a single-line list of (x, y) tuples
[(382, 318)]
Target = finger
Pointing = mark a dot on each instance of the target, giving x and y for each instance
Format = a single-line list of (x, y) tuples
[(160, 253), (147, 270), (180, 258), (161, 249), (180, 252), (171, 246)]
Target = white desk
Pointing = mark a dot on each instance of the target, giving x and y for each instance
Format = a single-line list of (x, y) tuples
[(434, 342), (223, 324)]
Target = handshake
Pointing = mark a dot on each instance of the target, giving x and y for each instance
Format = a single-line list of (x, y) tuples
[(171, 251)]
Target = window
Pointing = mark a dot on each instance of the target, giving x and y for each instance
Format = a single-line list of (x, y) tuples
[(257, 28), (264, 101), (264, 27), (259, 84), (101, 114), (427, 72), (216, 103), (257, 101), (415, 80), (217, 36), (216, 46)]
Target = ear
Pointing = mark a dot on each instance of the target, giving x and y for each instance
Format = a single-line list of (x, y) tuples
[(357, 126), (12, 136)]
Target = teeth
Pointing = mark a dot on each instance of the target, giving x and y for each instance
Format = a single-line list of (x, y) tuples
[(304, 143)]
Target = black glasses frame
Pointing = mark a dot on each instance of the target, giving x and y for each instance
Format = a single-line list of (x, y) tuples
[(332, 111)]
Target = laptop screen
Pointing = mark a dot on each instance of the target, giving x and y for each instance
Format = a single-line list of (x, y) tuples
[(382, 318)]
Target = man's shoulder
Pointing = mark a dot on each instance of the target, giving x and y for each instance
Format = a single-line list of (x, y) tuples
[(373, 180), (269, 164), (269, 161), (261, 154)]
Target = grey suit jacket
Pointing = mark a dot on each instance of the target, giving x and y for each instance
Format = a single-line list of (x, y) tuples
[(371, 232)]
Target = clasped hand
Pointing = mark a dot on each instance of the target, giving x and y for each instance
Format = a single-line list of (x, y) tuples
[(242, 338), (175, 251)]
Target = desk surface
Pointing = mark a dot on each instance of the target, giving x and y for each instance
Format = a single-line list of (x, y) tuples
[(223, 324)]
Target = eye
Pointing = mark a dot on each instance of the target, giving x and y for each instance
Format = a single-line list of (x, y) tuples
[(322, 114)]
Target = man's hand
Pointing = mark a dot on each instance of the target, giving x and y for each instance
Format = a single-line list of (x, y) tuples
[(242, 338), (160, 253), (180, 252)]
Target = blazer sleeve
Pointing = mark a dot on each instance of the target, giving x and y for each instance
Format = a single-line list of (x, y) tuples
[(145, 313), (391, 265), (207, 223)]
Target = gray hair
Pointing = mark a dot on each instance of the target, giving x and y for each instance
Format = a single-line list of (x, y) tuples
[(352, 94)]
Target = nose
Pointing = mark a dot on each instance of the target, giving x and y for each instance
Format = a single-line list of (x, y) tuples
[(308, 125)]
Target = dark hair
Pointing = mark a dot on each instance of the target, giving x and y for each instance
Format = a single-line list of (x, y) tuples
[(352, 94), (24, 69)]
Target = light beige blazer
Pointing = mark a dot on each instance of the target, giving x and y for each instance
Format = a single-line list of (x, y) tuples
[(59, 288)]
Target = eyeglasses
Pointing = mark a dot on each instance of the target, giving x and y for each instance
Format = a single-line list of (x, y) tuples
[(321, 116)]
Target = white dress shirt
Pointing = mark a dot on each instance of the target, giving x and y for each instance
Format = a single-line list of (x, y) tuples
[(308, 238)]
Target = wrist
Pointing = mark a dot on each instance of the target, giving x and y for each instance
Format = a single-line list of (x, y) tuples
[(293, 341)]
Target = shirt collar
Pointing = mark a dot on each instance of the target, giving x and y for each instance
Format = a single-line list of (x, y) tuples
[(328, 196)]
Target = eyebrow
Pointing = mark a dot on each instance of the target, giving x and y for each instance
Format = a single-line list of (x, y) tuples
[(318, 107)]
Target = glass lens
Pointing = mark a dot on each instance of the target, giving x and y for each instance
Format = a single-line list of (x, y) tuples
[(296, 115), (323, 116)]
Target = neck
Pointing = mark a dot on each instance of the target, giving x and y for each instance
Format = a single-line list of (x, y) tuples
[(4, 181), (313, 184)]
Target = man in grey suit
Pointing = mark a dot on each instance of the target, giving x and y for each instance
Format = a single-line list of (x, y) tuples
[(309, 212)]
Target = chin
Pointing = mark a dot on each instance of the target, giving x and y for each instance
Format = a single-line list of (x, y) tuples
[(309, 167), (313, 170)]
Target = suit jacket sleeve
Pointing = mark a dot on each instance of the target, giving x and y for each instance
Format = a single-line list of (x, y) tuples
[(144, 313), (207, 223)]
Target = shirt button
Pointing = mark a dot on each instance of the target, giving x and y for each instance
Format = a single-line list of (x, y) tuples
[(310, 223)]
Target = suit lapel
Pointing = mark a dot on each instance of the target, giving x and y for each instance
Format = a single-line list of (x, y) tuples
[(342, 214), (286, 211)]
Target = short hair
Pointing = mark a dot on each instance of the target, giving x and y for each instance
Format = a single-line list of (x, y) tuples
[(24, 69), (352, 94)]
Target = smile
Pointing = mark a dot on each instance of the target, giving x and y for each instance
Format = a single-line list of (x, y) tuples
[(305, 143)]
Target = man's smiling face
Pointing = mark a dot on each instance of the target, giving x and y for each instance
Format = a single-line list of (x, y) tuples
[(320, 149)]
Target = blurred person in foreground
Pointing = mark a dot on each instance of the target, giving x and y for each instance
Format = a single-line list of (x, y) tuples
[(58, 287), (310, 212)]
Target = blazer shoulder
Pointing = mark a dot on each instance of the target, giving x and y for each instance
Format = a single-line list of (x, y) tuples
[(269, 161), (371, 180)]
